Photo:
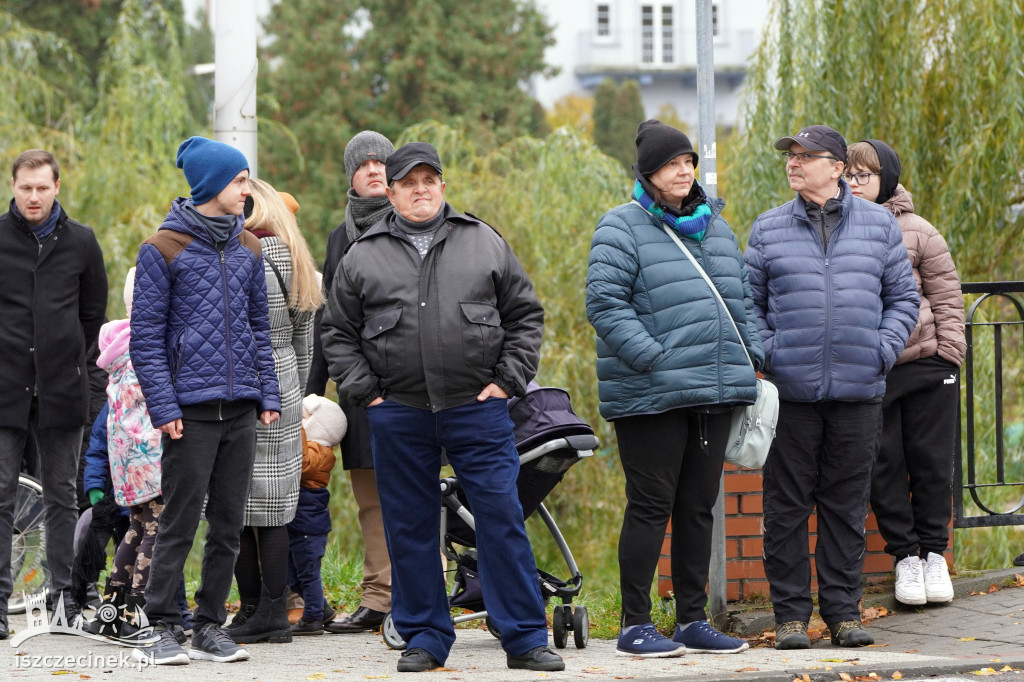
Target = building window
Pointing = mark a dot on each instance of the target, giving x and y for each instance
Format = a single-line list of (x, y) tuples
[(647, 34), (715, 26), (604, 27), (667, 44)]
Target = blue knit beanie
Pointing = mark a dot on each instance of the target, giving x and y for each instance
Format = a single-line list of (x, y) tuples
[(209, 166)]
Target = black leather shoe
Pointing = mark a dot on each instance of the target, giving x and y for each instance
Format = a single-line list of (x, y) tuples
[(4, 632), (415, 660), (361, 620), (538, 658)]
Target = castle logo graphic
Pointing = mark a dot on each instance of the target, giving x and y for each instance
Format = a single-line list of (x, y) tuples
[(110, 617)]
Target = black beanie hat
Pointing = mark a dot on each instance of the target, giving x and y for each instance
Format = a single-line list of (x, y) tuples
[(657, 144), (891, 168)]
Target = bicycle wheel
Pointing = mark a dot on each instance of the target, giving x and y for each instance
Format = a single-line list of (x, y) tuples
[(28, 544)]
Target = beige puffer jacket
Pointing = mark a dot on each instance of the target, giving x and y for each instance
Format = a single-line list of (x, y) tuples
[(940, 324)]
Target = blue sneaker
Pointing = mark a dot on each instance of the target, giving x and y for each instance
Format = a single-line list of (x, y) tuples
[(700, 638), (645, 641)]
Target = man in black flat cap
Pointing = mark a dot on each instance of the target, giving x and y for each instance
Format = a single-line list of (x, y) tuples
[(431, 324), (836, 301)]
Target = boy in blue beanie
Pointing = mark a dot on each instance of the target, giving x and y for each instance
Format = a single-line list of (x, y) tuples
[(201, 350)]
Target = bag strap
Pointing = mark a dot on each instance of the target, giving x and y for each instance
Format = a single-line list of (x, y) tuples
[(280, 281), (714, 289)]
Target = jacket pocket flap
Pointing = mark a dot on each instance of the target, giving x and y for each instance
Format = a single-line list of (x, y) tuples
[(378, 323), (481, 313)]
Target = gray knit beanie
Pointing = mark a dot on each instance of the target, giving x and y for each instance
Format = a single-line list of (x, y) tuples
[(364, 146)]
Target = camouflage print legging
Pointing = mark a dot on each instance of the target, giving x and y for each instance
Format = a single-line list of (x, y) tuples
[(135, 553)]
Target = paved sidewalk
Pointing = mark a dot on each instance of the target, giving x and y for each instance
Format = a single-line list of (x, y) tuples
[(974, 632)]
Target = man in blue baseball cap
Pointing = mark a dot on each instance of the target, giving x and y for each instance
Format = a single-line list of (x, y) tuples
[(201, 349)]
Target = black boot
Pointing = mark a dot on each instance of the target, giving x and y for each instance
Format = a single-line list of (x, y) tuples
[(245, 611), (269, 623), (108, 616)]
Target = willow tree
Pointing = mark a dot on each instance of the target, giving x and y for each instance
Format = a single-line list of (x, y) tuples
[(940, 81), (117, 154)]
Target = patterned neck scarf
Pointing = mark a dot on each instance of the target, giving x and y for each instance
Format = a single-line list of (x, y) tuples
[(694, 225)]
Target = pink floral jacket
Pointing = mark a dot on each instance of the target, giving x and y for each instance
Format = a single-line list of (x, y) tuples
[(133, 444)]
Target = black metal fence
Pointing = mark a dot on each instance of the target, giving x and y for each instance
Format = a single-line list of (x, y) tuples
[(980, 465)]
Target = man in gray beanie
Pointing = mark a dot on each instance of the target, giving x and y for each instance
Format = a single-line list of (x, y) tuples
[(365, 156)]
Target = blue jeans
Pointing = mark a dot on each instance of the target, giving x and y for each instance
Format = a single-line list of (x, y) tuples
[(477, 437)]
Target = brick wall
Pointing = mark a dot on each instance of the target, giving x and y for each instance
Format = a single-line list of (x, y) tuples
[(743, 542)]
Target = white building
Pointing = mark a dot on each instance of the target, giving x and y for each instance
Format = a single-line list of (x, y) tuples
[(653, 42)]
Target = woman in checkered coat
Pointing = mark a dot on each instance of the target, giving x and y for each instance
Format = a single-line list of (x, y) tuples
[(293, 294)]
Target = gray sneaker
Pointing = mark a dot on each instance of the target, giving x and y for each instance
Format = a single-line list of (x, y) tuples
[(212, 643), (164, 651)]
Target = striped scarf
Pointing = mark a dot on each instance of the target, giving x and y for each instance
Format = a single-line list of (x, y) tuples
[(693, 226)]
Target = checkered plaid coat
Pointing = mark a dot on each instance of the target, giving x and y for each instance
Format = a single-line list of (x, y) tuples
[(274, 492)]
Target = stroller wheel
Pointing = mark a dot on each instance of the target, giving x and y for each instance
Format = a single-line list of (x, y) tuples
[(492, 628), (391, 636), (560, 625), (580, 627)]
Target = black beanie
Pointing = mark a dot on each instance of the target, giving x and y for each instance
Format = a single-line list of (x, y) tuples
[(657, 144), (890, 175)]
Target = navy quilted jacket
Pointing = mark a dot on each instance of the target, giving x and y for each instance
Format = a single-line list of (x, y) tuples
[(832, 323), (200, 326), (663, 341)]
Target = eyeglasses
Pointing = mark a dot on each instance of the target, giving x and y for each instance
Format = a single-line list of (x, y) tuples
[(804, 157), (862, 178)]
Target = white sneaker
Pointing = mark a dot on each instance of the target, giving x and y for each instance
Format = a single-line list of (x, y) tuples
[(937, 584), (910, 581)]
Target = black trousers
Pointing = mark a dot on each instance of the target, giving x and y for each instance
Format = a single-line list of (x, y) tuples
[(211, 460), (673, 465), (822, 457), (911, 490)]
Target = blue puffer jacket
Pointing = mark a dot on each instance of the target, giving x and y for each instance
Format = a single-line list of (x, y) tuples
[(832, 323), (663, 341), (200, 326)]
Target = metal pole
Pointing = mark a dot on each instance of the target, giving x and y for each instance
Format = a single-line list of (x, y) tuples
[(709, 181), (234, 114)]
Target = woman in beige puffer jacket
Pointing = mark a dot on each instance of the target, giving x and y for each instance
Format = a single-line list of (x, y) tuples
[(911, 492)]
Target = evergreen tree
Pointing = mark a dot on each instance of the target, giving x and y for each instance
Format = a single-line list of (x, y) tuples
[(618, 110), (335, 67)]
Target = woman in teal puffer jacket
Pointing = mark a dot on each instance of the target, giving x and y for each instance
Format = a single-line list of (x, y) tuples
[(670, 368)]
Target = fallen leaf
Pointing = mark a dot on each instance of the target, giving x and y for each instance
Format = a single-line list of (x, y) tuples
[(747, 670), (897, 675), (316, 676), (993, 588), (1006, 669), (846, 677), (966, 639), (985, 671), (1018, 579)]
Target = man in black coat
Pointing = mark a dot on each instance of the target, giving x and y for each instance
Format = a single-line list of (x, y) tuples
[(53, 295)]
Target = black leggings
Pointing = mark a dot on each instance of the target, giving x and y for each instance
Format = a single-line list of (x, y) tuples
[(262, 560), (673, 464)]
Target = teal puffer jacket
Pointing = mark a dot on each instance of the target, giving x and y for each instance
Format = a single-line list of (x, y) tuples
[(663, 341)]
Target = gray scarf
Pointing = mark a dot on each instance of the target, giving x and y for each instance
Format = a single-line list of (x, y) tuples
[(362, 213)]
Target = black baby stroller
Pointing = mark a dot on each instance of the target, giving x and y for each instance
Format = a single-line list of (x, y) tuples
[(550, 438)]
